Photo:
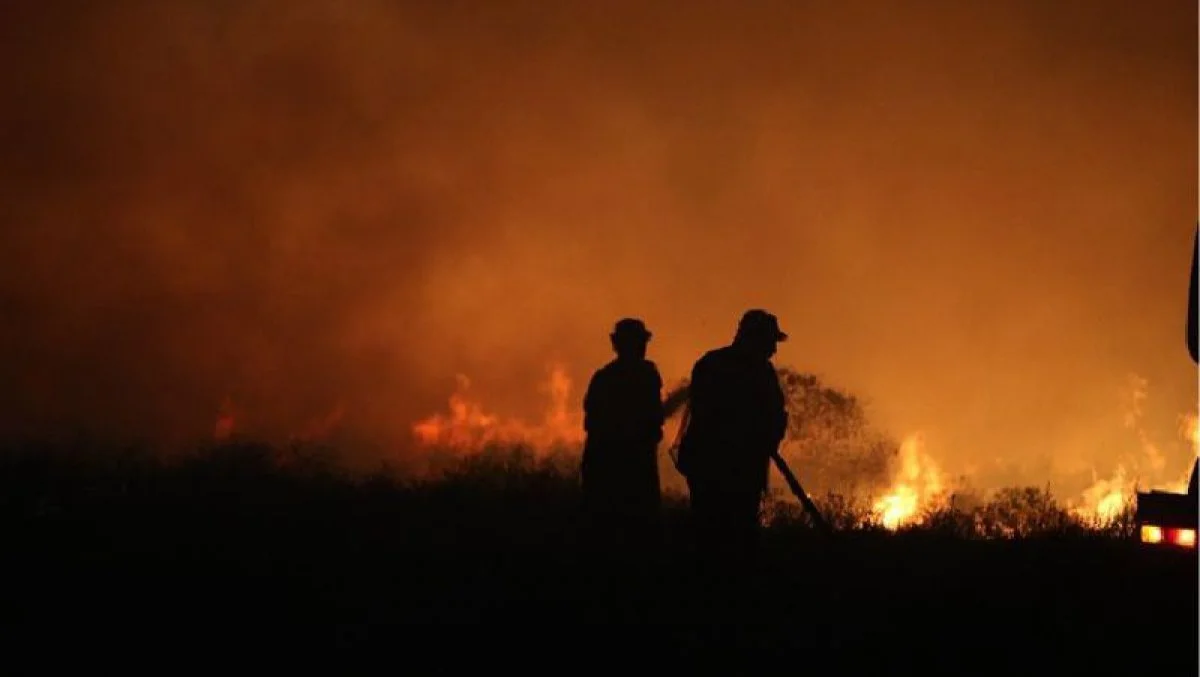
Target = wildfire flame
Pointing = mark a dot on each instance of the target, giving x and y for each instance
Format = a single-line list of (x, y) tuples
[(1106, 498), (1104, 501), (916, 484), (468, 427)]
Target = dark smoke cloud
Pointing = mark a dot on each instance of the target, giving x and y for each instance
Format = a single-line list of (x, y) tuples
[(975, 215)]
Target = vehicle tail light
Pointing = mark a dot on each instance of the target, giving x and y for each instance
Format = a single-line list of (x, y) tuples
[(1184, 537), (1151, 534)]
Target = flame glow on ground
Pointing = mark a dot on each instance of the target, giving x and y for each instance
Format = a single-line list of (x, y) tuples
[(918, 485)]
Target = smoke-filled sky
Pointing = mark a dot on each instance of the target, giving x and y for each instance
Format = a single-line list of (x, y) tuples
[(978, 216)]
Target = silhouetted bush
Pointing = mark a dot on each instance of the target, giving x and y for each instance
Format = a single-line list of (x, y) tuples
[(830, 436)]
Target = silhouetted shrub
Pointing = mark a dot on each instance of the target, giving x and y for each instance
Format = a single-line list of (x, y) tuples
[(830, 437)]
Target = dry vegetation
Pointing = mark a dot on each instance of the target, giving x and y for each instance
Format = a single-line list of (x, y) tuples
[(282, 546)]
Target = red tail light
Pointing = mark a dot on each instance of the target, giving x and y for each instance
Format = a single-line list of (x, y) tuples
[(1183, 537)]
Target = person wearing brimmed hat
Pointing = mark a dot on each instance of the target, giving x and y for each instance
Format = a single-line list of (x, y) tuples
[(737, 419), (623, 419)]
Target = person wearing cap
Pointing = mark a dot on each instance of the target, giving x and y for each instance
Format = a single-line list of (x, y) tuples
[(623, 421), (737, 419)]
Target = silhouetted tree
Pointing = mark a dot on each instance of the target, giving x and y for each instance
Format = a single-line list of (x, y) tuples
[(830, 442)]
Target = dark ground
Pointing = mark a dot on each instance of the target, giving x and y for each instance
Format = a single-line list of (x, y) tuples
[(223, 556)]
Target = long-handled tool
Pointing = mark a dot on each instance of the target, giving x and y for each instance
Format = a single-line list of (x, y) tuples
[(677, 401), (794, 485)]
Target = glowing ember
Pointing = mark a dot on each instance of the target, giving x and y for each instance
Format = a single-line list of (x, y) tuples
[(468, 428), (916, 484)]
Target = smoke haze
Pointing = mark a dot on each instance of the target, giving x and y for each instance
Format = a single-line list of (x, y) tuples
[(978, 216)]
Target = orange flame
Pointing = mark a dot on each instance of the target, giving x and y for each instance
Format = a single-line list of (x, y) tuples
[(467, 427), (917, 484), (1103, 501)]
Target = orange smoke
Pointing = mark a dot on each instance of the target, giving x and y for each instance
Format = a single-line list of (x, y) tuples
[(231, 420), (294, 202), (1189, 429), (323, 426)]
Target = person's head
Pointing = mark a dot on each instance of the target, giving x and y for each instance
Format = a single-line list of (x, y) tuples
[(630, 338), (759, 334)]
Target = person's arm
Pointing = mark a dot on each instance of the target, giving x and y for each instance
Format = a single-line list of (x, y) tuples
[(780, 411), (770, 414), (700, 389)]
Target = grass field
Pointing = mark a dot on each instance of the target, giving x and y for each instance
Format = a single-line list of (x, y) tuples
[(229, 549)]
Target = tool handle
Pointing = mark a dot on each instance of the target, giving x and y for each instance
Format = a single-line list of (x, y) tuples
[(798, 490)]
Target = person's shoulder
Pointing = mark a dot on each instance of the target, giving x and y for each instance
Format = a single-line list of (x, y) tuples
[(711, 362), (634, 369), (650, 369), (721, 355), (604, 373)]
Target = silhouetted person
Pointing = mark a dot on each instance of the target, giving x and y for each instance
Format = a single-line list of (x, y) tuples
[(623, 418), (737, 419)]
